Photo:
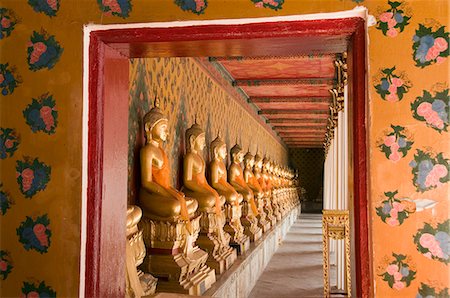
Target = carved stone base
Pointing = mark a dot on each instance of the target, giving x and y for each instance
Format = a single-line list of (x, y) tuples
[(215, 241), (173, 258), (250, 223), (263, 223), (239, 240)]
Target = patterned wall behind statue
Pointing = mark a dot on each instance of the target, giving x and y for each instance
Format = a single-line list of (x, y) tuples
[(186, 93)]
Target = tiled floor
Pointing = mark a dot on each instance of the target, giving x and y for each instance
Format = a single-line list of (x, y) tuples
[(295, 270)]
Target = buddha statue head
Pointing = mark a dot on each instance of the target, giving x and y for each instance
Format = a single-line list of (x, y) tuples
[(155, 125), (258, 161), (218, 148), (236, 154), (195, 138), (249, 160)]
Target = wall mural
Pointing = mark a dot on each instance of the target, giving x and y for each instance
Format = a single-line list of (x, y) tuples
[(433, 109), (9, 80), (32, 176), (272, 4), (430, 45), (396, 143), (119, 8), (48, 7), (394, 20), (394, 211), (41, 114), (35, 234), (409, 36), (5, 200), (194, 6), (390, 85), (7, 22), (43, 51)]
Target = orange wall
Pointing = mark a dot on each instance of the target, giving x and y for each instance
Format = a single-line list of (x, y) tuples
[(58, 145)]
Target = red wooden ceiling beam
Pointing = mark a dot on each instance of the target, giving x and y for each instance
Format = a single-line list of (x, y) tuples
[(276, 82), (308, 57), (294, 112), (302, 131), (288, 117), (295, 122), (281, 127), (276, 99), (293, 105), (300, 128)]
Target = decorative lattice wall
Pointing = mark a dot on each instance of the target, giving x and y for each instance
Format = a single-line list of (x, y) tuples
[(186, 92)]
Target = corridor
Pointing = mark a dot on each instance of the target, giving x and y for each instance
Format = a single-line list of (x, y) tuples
[(295, 270)]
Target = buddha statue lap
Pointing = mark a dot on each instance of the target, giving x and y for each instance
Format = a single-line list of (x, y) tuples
[(170, 224), (252, 182), (257, 171), (249, 208), (138, 283), (212, 237)]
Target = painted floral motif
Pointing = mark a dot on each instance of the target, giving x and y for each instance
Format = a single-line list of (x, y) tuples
[(434, 110), (5, 264), (396, 143), (5, 201), (195, 6), (391, 86), (273, 4), (7, 22), (31, 290), (427, 291), (41, 114), (430, 46), (393, 20), (49, 7), (43, 51), (35, 234), (398, 274), (394, 211), (9, 142), (9, 80), (429, 172), (119, 8), (434, 243), (32, 176)]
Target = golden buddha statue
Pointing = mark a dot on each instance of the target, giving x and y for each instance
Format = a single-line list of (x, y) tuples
[(218, 180), (170, 224), (236, 179), (212, 238), (138, 283), (268, 178), (257, 171), (252, 182)]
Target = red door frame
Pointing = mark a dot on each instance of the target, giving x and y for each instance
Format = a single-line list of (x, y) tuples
[(109, 53)]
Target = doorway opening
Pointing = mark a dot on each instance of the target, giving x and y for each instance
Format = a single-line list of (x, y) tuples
[(106, 92)]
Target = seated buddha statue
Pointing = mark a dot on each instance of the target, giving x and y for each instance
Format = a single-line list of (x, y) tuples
[(219, 182), (170, 224), (212, 236), (218, 173), (194, 179), (252, 182), (236, 179), (158, 199), (257, 171), (268, 179)]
